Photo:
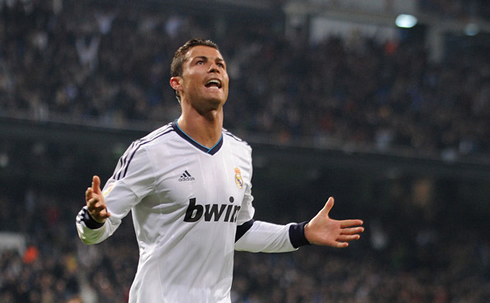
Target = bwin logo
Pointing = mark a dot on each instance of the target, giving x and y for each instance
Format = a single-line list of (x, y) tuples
[(186, 177), (211, 212)]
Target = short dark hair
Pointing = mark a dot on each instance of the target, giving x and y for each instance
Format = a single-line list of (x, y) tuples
[(179, 56)]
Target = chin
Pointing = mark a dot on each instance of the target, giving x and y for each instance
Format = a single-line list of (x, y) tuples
[(217, 100), (216, 104)]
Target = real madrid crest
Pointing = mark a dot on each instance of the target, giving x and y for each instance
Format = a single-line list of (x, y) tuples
[(238, 178), (109, 188)]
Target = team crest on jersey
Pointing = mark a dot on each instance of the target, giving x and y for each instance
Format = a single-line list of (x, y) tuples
[(238, 178), (108, 190)]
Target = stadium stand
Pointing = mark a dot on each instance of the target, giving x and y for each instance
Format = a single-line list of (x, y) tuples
[(106, 65)]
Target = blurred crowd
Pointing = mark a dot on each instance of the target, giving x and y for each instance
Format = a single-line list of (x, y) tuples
[(400, 263), (78, 61), (457, 9), (81, 61)]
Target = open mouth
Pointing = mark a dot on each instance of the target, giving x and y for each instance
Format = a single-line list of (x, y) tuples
[(214, 83)]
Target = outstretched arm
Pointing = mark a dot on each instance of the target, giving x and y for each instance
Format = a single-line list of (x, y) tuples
[(322, 230), (95, 202)]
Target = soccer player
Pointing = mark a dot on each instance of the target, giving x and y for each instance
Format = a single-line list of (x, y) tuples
[(188, 185)]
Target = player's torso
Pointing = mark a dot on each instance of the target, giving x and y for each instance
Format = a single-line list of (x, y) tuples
[(194, 186), (193, 190), (209, 188), (187, 225)]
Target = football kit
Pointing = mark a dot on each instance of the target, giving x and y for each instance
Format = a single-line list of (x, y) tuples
[(191, 208)]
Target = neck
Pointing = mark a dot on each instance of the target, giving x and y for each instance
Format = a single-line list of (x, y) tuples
[(204, 129)]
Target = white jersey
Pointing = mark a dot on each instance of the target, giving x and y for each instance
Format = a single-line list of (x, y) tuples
[(191, 208)]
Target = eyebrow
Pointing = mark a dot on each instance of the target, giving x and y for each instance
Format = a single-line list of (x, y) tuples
[(219, 59)]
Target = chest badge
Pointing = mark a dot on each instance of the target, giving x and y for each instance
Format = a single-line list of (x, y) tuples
[(108, 190), (238, 178)]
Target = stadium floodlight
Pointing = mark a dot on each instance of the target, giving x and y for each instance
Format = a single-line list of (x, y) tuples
[(405, 21), (471, 29)]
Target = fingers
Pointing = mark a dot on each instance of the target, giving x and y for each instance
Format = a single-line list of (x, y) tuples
[(343, 223), (88, 194), (350, 223), (348, 238), (95, 189), (97, 209), (343, 240), (351, 231), (100, 214), (95, 201), (348, 230), (95, 205), (340, 244), (94, 192)]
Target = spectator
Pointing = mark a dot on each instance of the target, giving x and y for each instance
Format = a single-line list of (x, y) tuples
[(385, 95)]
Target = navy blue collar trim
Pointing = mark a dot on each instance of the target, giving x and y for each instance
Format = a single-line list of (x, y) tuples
[(213, 150)]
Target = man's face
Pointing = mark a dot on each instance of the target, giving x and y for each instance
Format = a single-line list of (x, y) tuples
[(204, 81)]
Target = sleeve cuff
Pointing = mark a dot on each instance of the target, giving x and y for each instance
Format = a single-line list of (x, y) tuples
[(89, 221), (297, 234)]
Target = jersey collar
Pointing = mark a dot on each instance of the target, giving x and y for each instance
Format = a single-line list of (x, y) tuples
[(213, 150)]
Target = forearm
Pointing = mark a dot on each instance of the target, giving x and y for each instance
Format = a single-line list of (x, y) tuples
[(90, 231), (271, 238)]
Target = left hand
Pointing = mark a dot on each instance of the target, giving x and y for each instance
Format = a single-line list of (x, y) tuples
[(322, 230)]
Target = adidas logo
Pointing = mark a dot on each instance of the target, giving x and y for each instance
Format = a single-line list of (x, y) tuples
[(186, 177)]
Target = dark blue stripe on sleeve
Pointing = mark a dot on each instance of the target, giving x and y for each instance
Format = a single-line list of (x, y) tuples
[(242, 229)]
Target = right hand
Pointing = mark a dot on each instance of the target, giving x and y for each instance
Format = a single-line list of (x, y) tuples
[(95, 202)]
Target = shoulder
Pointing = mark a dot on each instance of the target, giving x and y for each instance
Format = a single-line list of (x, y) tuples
[(157, 134), (149, 140), (140, 151), (235, 139)]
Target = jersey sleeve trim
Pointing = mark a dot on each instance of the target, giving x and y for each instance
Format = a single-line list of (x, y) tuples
[(297, 235), (242, 229), (86, 218)]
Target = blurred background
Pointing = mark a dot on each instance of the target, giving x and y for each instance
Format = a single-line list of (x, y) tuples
[(383, 104)]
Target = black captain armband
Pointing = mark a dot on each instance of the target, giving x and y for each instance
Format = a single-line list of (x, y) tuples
[(297, 234), (88, 220)]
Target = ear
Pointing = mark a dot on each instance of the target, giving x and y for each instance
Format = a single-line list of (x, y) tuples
[(176, 83)]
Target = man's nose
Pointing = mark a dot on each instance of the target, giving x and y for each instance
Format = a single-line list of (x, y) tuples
[(213, 67)]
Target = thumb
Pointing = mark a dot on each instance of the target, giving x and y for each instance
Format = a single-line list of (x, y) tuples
[(328, 206), (96, 184)]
